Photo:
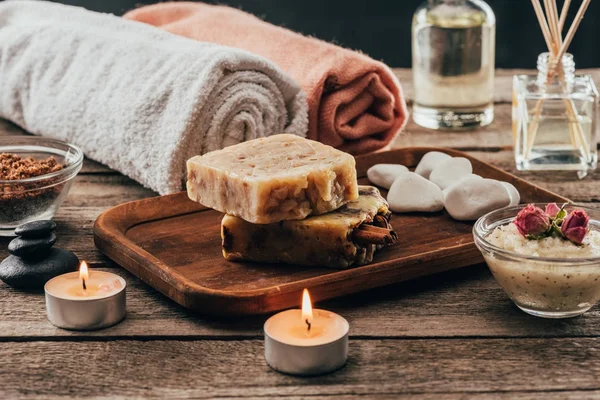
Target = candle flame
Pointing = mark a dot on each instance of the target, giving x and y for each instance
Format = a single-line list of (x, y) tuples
[(83, 271), (307, 313)]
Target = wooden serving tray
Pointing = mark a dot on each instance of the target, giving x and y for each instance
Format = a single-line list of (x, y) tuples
[(174, 245)]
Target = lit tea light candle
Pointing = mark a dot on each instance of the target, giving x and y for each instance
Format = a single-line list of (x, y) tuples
[(85, 300), (306, 341)]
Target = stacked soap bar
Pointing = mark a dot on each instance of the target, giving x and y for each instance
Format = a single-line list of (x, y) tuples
[(292, 200), (339, 239), (273, 179)]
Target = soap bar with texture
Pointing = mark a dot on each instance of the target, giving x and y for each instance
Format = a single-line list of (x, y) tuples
[(346, 237), (280, 177)]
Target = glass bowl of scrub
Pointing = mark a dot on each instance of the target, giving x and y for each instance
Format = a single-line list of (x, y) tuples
[(35, 177), (546, 257)]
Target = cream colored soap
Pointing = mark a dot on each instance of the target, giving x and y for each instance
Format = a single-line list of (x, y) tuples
[(326, 240), (277, 178)]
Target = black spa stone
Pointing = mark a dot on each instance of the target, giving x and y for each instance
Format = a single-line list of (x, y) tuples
[(35, 229), (32, 248), (24, 274)]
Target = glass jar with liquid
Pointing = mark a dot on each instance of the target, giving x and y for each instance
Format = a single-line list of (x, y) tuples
[(554, 118), (453, 49)]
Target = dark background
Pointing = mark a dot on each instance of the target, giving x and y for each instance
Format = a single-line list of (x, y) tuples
[(381, 28)]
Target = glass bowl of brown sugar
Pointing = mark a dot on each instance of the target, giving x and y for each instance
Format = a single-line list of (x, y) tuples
[(36, 175)]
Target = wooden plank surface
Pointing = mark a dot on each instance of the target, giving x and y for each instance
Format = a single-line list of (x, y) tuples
[(454, 335), (236, 368), (466, 303)]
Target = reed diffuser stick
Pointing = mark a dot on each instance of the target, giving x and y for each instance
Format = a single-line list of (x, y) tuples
[(563, 14), (573, 29), (553, 38), (571, 108), (552, 22), (556, 22), (551, 30), (552, 13), (534, 125), (542, 21)]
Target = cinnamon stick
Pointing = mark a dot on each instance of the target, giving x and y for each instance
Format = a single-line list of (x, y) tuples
[(369, 234), (380, 221)]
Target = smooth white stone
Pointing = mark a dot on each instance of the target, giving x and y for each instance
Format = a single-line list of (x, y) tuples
[(384, 175), (515, 196), (411, 192), (429, 162), (475, 176), (471, 176), (450, 171), (475, 197)]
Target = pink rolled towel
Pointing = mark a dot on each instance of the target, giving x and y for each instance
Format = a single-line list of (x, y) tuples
[(355, 103)]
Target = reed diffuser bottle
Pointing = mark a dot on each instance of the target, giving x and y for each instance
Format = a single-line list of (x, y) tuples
[(453, 48), (555, 111)]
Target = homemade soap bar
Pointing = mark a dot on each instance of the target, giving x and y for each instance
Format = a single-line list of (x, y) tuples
[(346, 237), (277, 178)]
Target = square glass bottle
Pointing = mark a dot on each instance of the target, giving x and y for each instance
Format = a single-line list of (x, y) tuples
[(554, 119)]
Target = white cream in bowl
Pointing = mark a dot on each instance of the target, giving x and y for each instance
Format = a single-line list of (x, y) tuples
[(507, 237), (546, 286)]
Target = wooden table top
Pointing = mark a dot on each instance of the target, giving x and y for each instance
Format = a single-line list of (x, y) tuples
[(454, 335)]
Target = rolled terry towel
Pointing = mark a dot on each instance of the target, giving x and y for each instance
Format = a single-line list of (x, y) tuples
[(355, 103), (134, 97)]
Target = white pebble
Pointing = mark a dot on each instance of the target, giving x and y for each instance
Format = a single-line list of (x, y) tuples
[(515, 197), (445, 191), (471, 176), (475, 197), (411, 192), (450, 171), (384, 175), (429, 162)]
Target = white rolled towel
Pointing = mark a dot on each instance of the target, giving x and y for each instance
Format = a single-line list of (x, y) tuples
[(134, 97)]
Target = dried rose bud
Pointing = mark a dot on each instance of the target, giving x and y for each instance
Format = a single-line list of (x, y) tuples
[(552, 210), (532, 222), (575, 226)]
